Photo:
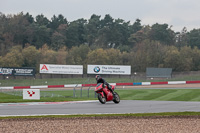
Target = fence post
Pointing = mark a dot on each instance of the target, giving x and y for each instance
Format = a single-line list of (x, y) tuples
[(89, 92), (81, 91), (74, 91)]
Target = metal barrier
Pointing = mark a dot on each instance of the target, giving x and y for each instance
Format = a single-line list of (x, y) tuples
[(89, 92), (82, 91), (74, 91)]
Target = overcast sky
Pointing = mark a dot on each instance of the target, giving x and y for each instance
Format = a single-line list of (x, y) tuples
[(178, 13)]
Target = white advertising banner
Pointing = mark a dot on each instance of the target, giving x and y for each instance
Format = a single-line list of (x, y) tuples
[(61, 69), (31, 94), (109, 69)]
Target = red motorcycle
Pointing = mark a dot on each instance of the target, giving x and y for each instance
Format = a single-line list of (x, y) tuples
[(104, 94)]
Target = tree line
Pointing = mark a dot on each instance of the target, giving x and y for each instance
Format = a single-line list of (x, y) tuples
[(26, 41)]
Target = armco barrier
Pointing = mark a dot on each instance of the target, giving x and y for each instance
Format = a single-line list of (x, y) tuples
[(93, 85), (124, 84), (73, 85), (24, 87), (41, 87), (138, 83), (56, 86), (7, 88), (192, 82), (158, 83), (88, 85), (176, 82), (146, 83)]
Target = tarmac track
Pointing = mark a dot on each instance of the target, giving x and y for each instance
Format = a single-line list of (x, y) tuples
[(94, 107)]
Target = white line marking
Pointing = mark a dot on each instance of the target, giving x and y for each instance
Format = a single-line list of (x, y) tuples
[(45, 103)]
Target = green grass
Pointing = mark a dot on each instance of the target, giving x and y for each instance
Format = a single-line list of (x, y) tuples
[(58, 81), (62, 81), (48, 96), (129, 94), (6, 98), (32, 82), (137, 115), (161, 94)]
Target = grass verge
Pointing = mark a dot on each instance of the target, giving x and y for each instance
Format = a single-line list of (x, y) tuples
[(125, 94), (137, 115), (89, 80)]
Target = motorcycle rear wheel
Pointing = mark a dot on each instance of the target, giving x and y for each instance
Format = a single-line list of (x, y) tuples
[(101, 99), (117, 98)]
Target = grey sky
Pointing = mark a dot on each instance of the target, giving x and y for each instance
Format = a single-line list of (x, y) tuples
[(178, 13)]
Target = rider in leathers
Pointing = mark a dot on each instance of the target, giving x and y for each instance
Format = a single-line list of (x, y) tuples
[(99, 79)]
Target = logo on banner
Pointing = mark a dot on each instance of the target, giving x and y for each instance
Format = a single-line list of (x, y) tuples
[(31, 93), (44, 67), (96, 69)]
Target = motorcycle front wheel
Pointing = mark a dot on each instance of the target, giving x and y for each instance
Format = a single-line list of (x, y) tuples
[(117, 98), (101, 99)]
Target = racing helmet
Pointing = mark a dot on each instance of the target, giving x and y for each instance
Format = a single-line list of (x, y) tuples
[(97, 77)]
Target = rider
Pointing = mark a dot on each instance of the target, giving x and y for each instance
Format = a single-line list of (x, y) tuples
[(99, 79)]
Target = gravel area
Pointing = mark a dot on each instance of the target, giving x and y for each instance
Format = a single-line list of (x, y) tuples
[(162, 124)]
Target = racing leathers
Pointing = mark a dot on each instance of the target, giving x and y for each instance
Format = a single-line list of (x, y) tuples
[(101, 80)]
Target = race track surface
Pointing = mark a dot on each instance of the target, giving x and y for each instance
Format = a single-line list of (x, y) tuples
[(94, 107)]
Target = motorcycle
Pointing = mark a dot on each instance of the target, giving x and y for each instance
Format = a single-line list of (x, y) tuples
[(104, 94)]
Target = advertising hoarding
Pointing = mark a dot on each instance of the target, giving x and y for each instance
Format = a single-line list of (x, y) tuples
[(158, 72), (61, 69), (17, 71), (109, 69)]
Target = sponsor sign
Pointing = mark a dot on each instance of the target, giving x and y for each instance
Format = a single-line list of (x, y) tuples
[(109, 69), (21, 71), (6, 71), (61, 69), (31, 94)]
